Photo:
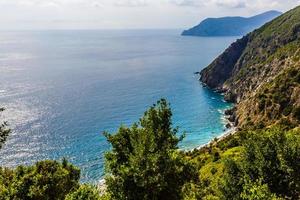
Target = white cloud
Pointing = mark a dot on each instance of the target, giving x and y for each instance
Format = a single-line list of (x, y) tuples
[(231, 3), (131, 3), (29, 3), (127, 13), (187, 2)]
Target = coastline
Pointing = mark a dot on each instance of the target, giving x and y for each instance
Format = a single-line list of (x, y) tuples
[(231, 129), (230, 116), (227, 133), (101, 185)]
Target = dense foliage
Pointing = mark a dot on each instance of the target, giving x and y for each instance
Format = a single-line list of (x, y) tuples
[(144, 162), (45, 180), (4, 131), (271, 158), (261, 164), (277, 100), (85, 192)]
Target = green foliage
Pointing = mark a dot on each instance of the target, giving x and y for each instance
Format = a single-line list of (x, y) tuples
[(257, 191), (144, 162), (296, 113), (4, 131), (277, 100), (272, 158), (258, 164), (289, 50), (192, 191), (276, 39), (47, 180), (85, 192)]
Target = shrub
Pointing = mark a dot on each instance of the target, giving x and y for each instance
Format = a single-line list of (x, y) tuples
[(85, 192), (49, 180)]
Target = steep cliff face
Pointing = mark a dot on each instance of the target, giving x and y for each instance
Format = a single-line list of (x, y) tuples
[(222, 67), (255, 68)]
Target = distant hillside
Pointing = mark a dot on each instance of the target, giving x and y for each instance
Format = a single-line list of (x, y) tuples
[(230, 26), (261, 73)]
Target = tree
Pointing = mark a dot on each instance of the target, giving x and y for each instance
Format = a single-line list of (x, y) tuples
[(4, 131), (48, 180), (271, 158), (257, 191), (144, 162), (85, 192)]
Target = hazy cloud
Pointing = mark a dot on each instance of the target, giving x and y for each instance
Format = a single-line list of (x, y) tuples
[(44, 14), (235, 3), (131, 3), (231, 3), (192, 3)]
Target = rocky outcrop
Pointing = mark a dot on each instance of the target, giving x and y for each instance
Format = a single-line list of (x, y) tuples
[(220, 70)]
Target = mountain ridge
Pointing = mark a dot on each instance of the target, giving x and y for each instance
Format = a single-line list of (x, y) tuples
[(230, 26)]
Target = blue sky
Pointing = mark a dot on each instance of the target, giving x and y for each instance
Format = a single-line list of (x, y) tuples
[(126, 14)]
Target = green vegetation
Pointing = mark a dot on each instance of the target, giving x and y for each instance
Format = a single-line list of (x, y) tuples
[(85, 192), (270, 159), (45, 180), (4, 131), (262, 164), (280, 90), (144, 162), (276, 39), (277, 101)]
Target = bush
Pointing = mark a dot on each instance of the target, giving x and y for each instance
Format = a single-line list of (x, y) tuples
[(296, 113), (271, 157), (49, 180), (85, 192), (4, 131), (257, 191)]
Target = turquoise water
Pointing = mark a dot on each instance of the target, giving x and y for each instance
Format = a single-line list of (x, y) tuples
[(62, 89)]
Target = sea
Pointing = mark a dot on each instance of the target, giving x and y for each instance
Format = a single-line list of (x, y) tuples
[(63, 88)]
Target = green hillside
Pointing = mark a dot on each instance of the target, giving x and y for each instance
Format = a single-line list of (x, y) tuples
[(263, 77)]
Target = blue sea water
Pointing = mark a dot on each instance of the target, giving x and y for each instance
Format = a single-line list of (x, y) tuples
[(62, 89)]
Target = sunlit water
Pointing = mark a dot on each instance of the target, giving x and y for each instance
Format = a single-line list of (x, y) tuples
[(62, 89)]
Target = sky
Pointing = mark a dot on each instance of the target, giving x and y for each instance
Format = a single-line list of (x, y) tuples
[(126, 14)]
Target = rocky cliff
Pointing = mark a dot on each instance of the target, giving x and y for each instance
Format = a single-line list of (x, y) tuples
[(261, 73)]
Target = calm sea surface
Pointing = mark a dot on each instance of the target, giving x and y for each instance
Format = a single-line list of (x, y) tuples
[(62, 89)]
